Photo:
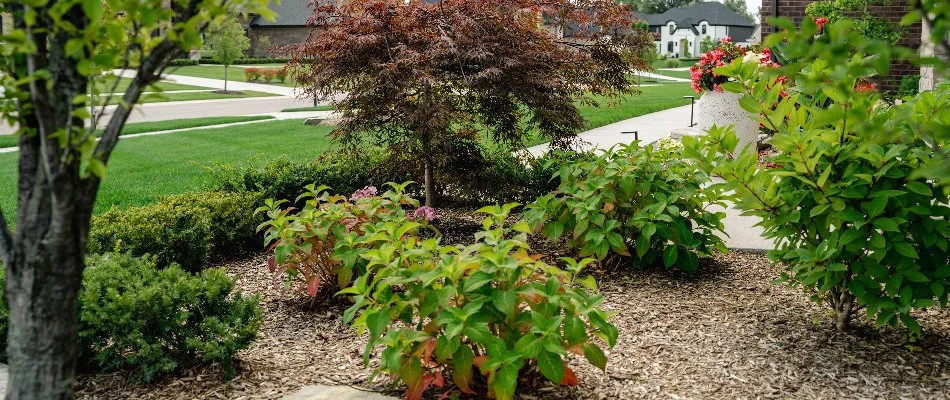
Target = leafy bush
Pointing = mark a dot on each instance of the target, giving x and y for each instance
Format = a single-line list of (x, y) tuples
[(246, 61), (672, 63), (233, 226), (186, 229), (325, 238), (173, 233), (490, 307), (910, 86), (342, 171), (856, 199), (181, 62), (133, 314), (252, 74), (632, 197)]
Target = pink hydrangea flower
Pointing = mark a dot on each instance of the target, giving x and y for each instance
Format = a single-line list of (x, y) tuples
[(425, 212), (368, 191)]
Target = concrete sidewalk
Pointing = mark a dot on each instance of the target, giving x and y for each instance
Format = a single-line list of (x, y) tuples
[(218, 84)]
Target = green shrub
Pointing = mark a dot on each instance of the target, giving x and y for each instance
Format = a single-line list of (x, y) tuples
[(910, 86), (172, 232), (342, 171), (181, 62), (185, 229), (856, 198), (247, 61), (233, 226), (134, 315), (636, 198), (490, 309), (674, 63), (322, 240)]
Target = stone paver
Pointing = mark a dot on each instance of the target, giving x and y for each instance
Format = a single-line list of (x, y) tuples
[(321, 392)]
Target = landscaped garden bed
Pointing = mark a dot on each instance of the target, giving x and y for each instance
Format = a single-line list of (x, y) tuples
[(725, 331)]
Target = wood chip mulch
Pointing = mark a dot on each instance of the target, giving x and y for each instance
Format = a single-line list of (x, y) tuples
[(725, 332)]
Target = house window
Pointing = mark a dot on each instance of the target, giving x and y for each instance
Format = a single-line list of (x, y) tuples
[(672, 28), (703, 26), (669, 47)]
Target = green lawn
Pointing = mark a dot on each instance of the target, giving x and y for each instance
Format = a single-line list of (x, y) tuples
[(235, 72), (105, 86), (189, 96), (682, 63), (144, 127), (146, 168)]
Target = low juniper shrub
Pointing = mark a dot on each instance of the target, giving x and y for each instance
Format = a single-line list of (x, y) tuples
[(135, 315)]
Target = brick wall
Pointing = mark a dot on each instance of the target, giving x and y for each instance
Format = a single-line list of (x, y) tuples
[(263, 38), (894, 10)]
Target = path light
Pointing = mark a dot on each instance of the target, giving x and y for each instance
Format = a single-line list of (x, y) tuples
[(692, 102)]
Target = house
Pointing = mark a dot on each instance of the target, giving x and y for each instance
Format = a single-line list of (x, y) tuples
[(289, 27), (680, 31)]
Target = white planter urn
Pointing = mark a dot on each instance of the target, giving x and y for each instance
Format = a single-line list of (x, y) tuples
[(722, 109)]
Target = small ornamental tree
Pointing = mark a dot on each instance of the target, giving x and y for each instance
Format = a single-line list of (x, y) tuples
[(228, 43), (416, 74), (47, 63), (853, 201)]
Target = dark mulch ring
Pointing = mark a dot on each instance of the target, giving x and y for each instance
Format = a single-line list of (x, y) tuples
[(724, 332)]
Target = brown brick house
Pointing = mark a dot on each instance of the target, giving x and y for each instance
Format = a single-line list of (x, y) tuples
[(893, 10), (289, 27)]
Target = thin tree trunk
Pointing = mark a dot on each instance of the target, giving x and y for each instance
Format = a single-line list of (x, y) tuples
[(430, 185), (225, 78), (843, 304)]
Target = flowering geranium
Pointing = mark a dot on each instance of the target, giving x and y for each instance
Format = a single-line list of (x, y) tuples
[(702, 73), (821, 23)]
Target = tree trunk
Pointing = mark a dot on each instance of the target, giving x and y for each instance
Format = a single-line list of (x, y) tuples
[(225, 78), (430, 185), (843, 304), (42, 288)]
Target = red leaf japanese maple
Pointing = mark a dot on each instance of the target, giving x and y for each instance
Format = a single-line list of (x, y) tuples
[(417, 73)]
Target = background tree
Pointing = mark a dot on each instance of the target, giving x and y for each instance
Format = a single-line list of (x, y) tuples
[(47, 64), (419, 75), (228, 43), (740, 8), (660, 6), (708, 44)]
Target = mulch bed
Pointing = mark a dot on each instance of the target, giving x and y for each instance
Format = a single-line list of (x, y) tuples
[(724, 332)]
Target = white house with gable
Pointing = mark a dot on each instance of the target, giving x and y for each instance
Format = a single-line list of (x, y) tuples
[(679, 31)]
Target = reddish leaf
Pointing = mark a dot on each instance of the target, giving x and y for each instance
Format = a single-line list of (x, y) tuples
[(313, 284), (479, 361), (427, 351), (576, 349), (271, 263), (570, 379)]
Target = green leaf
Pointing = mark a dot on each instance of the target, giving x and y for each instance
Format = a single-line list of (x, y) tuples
[(505, 381), (462, 363), (477, 280), (905, 249), (529, 346), (575, 332), (377, 322), (595, 356), (551, 366), (886, 224), (669, 255), (504, 301), (919, 188)]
